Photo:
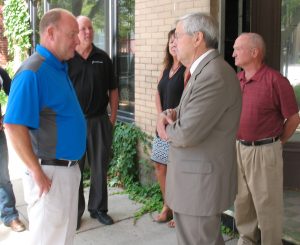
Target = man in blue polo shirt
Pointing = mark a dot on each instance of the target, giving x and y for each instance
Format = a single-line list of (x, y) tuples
[(47, 129)]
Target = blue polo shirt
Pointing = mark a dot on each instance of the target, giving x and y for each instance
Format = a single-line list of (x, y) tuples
[(43, 99)]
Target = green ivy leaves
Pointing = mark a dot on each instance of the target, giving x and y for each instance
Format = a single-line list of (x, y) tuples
[(124, 169), (17, 26)]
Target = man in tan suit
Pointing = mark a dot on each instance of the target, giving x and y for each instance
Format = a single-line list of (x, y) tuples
[(201, 177)]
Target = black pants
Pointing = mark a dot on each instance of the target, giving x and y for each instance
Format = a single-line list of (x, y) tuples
[(98, 152)]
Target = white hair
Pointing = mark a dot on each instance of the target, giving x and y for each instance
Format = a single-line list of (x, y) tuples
[(200, 22)]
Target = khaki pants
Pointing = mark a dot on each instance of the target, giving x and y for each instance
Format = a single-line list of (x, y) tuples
[(53, 217), (259, 202), (198, 230)]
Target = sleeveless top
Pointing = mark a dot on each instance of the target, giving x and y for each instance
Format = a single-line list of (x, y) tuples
[(170, 89)]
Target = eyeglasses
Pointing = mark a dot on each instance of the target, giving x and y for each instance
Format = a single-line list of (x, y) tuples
[(179, 35)]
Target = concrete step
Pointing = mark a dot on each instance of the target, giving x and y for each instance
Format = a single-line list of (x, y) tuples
[(291, 225)]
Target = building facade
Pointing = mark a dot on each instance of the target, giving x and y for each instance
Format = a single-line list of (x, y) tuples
[(134, 34), (154, 19)]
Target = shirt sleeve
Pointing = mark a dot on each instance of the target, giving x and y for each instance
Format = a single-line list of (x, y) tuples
[(6, 81), (286, 97), (23, 102)]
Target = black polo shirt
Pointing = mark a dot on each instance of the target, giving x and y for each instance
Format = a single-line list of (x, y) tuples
[(92, 79)]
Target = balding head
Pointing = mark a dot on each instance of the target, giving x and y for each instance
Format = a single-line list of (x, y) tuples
[(52, 17), (256, 41), (83, 18), (249, 50), (86, 33), (59, 33)]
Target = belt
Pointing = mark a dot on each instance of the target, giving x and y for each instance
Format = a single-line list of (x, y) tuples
[(259, 142), (58, 162)]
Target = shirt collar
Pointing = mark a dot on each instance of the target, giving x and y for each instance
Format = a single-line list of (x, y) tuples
[(50, 58), (255, 77), (93, 51), (197, 61)]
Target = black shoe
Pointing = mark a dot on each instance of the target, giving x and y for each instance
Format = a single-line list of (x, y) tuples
[(102, 217)]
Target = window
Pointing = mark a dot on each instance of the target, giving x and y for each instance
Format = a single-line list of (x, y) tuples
[(125, 57), (113, 23), (290, 43), (96, 10)]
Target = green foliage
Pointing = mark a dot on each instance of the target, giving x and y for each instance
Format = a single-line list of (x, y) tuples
[(86, 177), (289, 12), (94, 9), (126, 18), (124, 169), (228, 231), (297, 93), (3, 98), (17, 26), (10, 69), (150, 196)]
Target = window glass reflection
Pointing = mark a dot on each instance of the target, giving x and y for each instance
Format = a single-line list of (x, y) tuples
[(290, 43), (95, 10), (125, 56)]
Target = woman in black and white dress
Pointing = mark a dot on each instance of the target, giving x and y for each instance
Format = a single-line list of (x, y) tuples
[(169, 90)]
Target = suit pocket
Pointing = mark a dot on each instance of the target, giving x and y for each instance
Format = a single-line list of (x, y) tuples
[(196, 167)]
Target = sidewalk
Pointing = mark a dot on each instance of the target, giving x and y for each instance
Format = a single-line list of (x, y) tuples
[(123, 232)]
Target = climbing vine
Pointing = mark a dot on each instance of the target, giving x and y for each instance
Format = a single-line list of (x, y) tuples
[(124, 168), (16, 22)]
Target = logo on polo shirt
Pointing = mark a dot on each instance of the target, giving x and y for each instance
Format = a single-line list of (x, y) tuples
[(97, 61)]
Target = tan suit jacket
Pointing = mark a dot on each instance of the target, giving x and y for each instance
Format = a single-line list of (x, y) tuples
[(201, 176)]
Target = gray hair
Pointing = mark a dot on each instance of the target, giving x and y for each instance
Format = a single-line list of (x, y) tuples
[(200, 22)]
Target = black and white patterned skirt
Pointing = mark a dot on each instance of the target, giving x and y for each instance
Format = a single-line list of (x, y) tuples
[(160, 150)]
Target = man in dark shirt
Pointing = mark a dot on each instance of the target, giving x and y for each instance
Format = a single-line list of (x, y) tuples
[(8, 213), (269, 117), (91, 72)]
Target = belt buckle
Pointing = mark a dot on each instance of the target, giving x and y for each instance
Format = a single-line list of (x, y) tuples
[(72, 163)]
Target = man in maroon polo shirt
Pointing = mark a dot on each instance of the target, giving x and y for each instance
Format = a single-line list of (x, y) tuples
[(269, 117)]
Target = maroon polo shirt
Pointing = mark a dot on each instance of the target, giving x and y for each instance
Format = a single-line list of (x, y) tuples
[(268, 99)]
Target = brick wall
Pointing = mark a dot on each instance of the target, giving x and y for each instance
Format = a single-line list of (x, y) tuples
[(3, 43), (153, 20)]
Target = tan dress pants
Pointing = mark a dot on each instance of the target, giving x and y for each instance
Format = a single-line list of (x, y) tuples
[(259, 202), (53, 217), (198, 230)]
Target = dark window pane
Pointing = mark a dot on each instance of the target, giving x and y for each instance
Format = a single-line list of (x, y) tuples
[(125, 56)]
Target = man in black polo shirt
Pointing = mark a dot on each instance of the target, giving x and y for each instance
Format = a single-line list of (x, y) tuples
[(91, 72), (9, 215)]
